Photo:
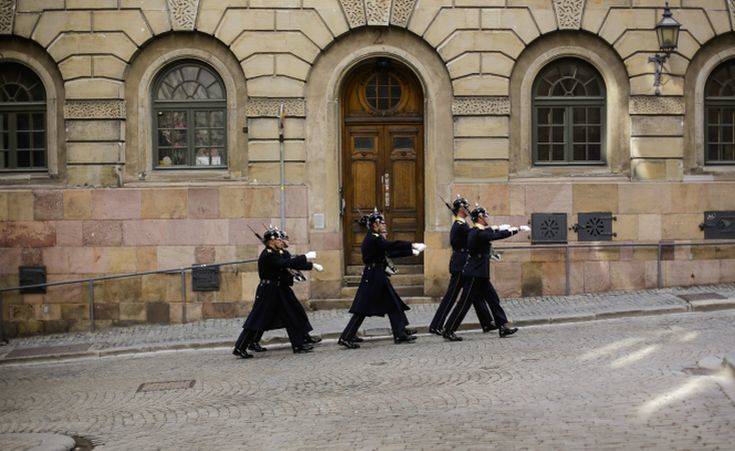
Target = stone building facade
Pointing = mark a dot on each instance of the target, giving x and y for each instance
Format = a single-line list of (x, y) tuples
[(144, 134)]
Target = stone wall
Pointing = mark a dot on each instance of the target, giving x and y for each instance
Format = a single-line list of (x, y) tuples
[(81, 233)]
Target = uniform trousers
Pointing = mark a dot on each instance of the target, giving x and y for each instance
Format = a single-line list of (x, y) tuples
[(445, 306), (476, 289), (397, 324)]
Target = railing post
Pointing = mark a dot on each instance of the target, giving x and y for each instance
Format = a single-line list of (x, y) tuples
[(659, 273), (567, 269), (183, 296), (90, 296), (2, 320)]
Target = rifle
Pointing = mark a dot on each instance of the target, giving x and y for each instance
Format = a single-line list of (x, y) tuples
[(298, 276)]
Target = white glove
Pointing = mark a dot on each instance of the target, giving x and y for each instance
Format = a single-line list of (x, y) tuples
[(415, 252), (311, 255), (504, 227), (317, 267), (419, 246), (525, 228)]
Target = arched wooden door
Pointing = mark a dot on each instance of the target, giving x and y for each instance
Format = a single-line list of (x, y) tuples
[(382, 152)]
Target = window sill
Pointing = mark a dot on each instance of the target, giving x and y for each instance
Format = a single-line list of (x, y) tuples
[(711, 173), (27, 178), (185, 177), (598, 173)]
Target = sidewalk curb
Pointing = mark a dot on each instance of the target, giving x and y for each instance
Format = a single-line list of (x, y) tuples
[(210, 344)]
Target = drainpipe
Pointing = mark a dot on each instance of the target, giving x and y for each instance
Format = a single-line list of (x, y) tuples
[(281, 114)]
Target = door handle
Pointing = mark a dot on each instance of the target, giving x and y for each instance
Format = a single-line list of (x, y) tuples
[(386, 179)]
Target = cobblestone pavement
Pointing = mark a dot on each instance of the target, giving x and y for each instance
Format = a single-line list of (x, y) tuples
[(331, 322), (619, 383)]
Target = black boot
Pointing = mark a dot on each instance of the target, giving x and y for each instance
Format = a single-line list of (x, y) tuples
[(348, 344), (492, 326), (312, 339), (242, 354), (357, 339), (506, 331), (404, 339), (435, 331), (451, 337), (410, 331), (302, 349), (256, 347)]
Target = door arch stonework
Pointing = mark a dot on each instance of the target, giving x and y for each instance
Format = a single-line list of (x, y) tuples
[(323, 143)]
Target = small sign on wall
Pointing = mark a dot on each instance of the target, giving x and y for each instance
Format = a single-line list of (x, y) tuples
[(205, 278), (319, 222)]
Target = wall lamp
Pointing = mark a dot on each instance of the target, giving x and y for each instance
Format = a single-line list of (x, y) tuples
[(667, 32)]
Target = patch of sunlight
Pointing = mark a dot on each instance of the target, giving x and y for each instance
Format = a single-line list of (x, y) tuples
[(689, 336), (688, 389), (612, 347), (633, 357)]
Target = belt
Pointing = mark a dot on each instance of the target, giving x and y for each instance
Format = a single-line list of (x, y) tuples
[(464, 251), (269, 282), (375, 265)]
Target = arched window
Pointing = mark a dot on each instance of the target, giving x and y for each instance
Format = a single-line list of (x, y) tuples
[(22, 119), (719, 106), (568, 114), (190, 115)]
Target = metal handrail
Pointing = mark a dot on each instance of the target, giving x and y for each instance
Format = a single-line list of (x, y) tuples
[(182, 271), (91, 280)]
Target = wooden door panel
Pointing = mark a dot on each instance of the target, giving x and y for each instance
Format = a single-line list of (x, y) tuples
[(382, 157), (404, 182), (362, 189)]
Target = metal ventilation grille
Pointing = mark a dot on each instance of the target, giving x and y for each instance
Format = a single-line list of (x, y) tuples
[(718, 225), (595, 226), (32, 275), (548, 228)]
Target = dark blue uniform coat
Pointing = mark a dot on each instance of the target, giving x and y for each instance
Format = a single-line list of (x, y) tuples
[(275, 304), (478, 244), (376, 296)]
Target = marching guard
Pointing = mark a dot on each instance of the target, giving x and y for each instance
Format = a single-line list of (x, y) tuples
[(286, 281), (476, 274), (375, 295), (458, 240), (275, 305)]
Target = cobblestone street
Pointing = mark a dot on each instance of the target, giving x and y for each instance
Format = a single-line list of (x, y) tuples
[(620, 383)]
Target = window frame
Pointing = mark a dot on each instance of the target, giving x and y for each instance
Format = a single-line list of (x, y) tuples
[(12, 110), (719, 103), (568, 103), (190, 107)]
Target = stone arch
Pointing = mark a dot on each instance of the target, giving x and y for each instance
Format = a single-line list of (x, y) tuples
[(323, 119), (709, 56), (535, 57), (139, 76), (32, 55)]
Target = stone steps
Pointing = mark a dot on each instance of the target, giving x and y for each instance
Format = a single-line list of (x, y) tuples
[(345, 303), (402, 290), (396, 280), (354, 270)]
